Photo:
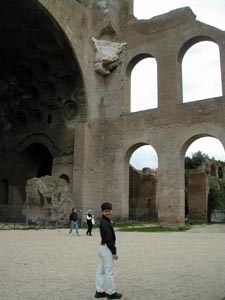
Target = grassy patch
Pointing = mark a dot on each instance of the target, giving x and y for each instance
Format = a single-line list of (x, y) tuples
[(150, 228)]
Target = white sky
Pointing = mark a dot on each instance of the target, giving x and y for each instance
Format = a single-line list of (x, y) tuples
[(211, 12), (207, 11)]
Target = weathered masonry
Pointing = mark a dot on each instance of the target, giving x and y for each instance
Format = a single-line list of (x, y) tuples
[(65, 100)]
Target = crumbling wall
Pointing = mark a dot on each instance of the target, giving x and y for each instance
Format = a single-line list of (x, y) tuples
[(47, 199), (198, 190), (142, 195)]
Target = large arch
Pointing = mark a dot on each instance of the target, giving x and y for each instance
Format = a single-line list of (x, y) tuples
[(34, 161), (39, 71), (192, 41), (4, 191), (144, 88), (141, 189), (198, 192), (38, 138), (130, 67), (195, 40), (191, 139), (42, 96)]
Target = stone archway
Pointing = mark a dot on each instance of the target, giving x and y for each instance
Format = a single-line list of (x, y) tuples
[(34, 161), (202, 186), (41, 92), (40, 80), (141, 183), (4, 191)]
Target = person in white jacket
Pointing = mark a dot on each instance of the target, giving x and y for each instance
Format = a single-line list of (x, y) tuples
[(89, 222)]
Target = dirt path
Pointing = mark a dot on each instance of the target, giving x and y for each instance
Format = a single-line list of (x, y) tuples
[(49, 264)]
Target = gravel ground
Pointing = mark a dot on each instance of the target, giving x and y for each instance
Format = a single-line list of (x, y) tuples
[(49, 264)]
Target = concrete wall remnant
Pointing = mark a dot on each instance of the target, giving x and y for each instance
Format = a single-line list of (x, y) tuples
[(198, 190), (47, 199), (142, 195)]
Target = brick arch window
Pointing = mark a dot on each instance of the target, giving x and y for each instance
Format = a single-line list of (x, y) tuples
[(201, 71), (143, 172), (143, 78), (65, 177), (144, 157)]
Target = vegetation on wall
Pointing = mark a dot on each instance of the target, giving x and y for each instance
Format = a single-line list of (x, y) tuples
[(196, 161)]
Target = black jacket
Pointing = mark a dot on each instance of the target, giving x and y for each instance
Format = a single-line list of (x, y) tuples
[(89, 221), (73, 216), (107, 234)]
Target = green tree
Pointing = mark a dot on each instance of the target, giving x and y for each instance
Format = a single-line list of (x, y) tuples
[(198, 158)]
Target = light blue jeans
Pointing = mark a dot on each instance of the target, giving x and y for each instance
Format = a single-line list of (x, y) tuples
[(105, 271), (72, 226)]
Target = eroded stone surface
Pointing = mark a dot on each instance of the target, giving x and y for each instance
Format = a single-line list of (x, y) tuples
[(47, 199)]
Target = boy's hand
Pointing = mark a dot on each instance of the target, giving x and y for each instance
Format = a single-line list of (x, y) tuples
[(115, 257)]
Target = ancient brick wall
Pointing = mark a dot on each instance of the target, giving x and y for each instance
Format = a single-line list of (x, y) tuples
[(73, 99), (142, 195), (198, 190)]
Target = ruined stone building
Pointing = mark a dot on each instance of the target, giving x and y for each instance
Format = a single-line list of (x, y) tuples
[(65, 103), (205, 192), (142, 194)]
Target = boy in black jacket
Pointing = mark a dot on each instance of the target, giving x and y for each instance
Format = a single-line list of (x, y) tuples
[(107, 255), (74, 222)]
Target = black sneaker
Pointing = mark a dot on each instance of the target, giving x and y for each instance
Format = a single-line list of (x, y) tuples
[(114, 296), (100, 295)]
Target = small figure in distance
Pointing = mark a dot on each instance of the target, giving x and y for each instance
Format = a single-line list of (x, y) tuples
[(107, 255), (74, 222), (89, 218)]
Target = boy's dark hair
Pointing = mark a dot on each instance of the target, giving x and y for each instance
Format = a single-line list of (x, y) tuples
[(106, 205)]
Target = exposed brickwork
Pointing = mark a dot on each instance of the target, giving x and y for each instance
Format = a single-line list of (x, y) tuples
[(81, 118), (142, 194), (198, 190)]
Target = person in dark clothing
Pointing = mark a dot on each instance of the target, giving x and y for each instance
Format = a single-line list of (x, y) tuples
[(74, 222), (89, 222), (107, 255)]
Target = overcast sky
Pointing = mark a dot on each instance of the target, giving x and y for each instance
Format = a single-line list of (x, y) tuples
[(207, 11), (211, 12)]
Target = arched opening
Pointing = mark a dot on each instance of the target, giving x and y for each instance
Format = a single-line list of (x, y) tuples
[(4, 191), (34, 161), (143, 172), (41, 92), (65, 177), (201, 72), (144, 90), (38, 160), (39, 72), (204, 183)]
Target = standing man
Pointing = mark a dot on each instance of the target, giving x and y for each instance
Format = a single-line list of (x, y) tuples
[(74, 222), (107, 255)]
